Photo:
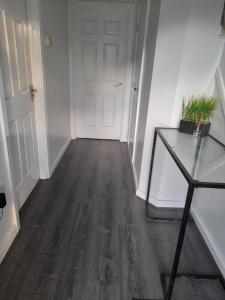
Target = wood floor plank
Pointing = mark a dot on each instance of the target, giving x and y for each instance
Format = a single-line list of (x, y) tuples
[(84, 236)]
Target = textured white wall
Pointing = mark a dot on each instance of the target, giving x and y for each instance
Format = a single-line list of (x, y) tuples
[(202, 52), (187, 52), (222, 64), (209, 204), (197, 71), (56, 69), (167, 56)]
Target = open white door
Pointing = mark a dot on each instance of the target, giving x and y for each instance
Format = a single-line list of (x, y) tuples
[(15, 63), (100, 34), (139, 44)]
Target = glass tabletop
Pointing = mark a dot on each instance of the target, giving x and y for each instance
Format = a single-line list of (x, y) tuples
[(203, 158)]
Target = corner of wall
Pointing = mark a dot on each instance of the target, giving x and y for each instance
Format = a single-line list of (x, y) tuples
[(60, 154)]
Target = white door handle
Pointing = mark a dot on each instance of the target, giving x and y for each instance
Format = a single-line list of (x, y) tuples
[(118, 84)]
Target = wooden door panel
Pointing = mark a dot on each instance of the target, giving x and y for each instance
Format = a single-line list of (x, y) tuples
[(10, 27), (20, 109), (89, 108), (21, 56), (89, 60), (14, 139), (28, 143), (111, 27), (6, 65), (111, 61), (89, 26), (99, 48), (109, 110)]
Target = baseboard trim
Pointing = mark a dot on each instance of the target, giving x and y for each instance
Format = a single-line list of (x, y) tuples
[(60, 154), (134, 174), (166, 203), (161, 203), (140, 194), (7, 242), (209, 241)]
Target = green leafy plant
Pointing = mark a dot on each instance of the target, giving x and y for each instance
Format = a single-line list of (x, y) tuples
[(199, 109)]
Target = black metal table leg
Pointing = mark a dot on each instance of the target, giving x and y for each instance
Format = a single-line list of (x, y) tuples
[(151, 168), (180, 241)]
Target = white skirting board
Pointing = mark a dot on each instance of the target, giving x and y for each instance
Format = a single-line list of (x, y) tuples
[(159, 202), (134, 174), (209, 242), (166, 203), (7, 242), (60, 154), (140, 194)]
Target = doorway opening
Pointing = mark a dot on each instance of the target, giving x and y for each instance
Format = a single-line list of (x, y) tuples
[(106, 48)]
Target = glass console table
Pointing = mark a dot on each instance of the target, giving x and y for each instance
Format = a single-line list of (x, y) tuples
[(202, 163)]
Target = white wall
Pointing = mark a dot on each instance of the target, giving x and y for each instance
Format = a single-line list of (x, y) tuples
[(186, 55), (209, 204), (56, 70), (167, 55), (202, 52), (197, 71), (222, 65)]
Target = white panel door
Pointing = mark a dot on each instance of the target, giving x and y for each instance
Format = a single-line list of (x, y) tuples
[(139, 43), (100, 47), (14, 61)]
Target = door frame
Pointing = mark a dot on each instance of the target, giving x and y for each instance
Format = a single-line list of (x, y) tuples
[(40, 107), (129, 8)]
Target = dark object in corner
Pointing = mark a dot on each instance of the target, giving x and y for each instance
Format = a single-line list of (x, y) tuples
[(189, 127), (2, 200)]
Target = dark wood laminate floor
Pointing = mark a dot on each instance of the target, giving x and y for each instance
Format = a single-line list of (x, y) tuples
[(84, 236)]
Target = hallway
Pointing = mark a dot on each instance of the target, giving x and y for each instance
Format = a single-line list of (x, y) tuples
[(84, 235)]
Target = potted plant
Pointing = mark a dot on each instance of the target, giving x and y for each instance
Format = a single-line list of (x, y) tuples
[(196, 115)]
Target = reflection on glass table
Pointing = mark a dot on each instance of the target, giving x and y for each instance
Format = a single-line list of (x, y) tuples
[(202, 163), (203, 158)]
